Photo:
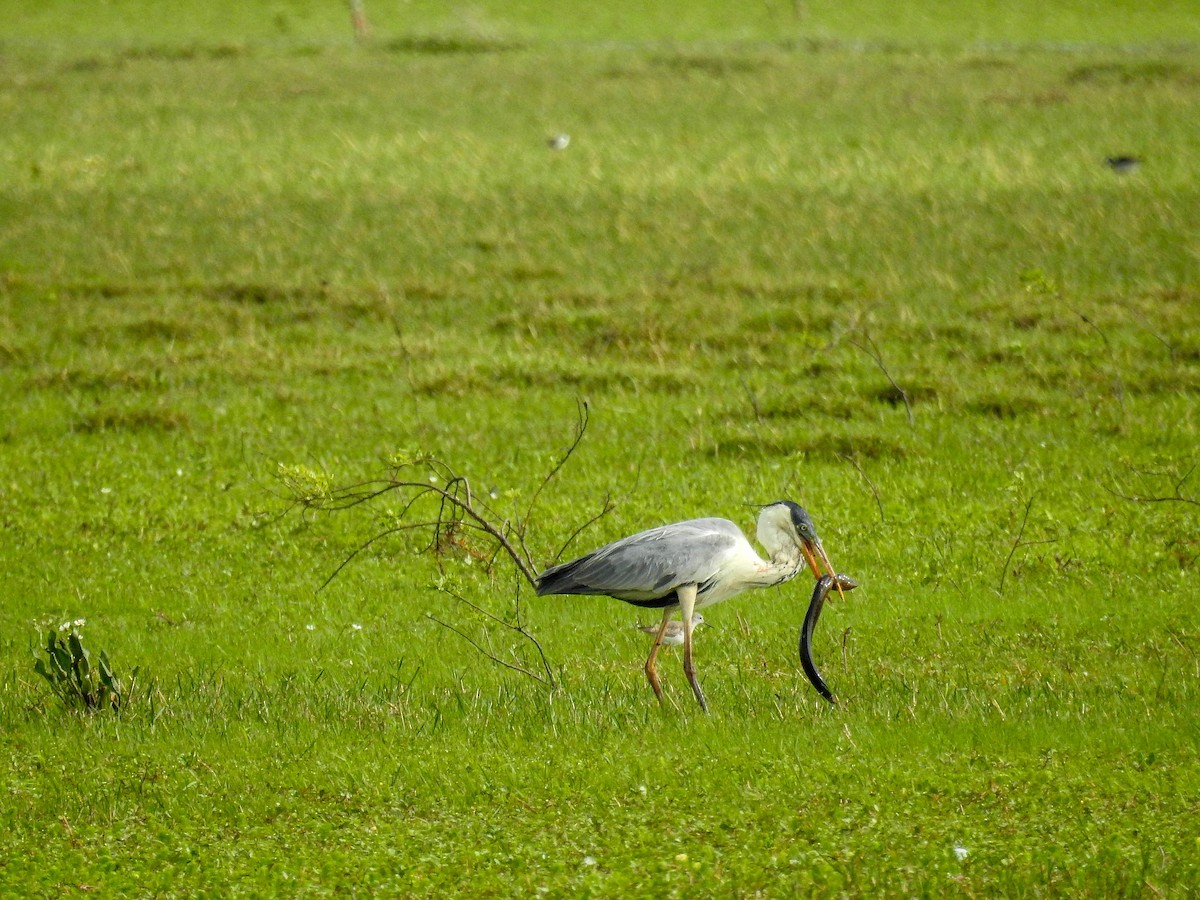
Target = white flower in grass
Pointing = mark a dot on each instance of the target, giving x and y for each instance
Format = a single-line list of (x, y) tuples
[(355, 626), (960, 853), (310, 627)]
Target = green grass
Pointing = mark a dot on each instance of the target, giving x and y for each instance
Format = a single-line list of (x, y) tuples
[(230, 244), (1069, 23)]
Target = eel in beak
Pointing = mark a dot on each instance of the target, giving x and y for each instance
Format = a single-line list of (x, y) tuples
[(825, 584)]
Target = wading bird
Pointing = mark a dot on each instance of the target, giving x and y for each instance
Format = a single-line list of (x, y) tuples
[(673, 634), (1122, 165), (690, 565)]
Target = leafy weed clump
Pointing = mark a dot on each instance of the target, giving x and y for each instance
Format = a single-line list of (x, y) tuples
[(81, 687)]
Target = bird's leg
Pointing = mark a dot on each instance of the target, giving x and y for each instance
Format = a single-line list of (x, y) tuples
[(687, 605), (651, 668)]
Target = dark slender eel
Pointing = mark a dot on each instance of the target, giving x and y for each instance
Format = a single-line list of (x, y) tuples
[(820, 592)]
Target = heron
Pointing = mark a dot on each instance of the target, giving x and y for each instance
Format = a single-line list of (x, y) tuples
[(690, 565)]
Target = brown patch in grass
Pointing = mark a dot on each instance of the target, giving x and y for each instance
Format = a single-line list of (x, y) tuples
[(132, 420)]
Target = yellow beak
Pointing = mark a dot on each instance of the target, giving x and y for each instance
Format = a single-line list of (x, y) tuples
[(815, 554)]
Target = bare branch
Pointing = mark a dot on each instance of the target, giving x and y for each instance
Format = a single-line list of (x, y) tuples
[(608, 507), (1117, 381), (454, 510), (521, 559), (873, 352), (470, 640), (366, 544), (758, 417), (1176, 495), (1145, 324), (870, 484), (1136, 499), (432, 495), (533, 640), (1018, 543), (516, 625), (580, 429)]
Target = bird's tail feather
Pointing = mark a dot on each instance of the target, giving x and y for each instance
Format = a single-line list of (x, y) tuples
[(561, 579)]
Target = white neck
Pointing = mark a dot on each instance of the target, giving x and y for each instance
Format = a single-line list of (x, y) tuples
[(783, 566), (776, 534)]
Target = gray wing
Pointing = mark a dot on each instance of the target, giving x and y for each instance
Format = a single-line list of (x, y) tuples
[(649, 565)]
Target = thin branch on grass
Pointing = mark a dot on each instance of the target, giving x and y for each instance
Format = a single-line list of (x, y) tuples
[(1145, 324), (1118, 381), (758, 417), (1176, 495), (870, 484), (547, 676), (608, 506), (580, 428), (872, 351), (452, 513), (1018, 543), (367, 544), (942, 547), (457, 509)]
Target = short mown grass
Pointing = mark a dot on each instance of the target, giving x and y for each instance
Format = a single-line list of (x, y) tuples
[(891, 278)]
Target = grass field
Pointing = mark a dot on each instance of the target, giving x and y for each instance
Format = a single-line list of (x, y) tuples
[(870, 261)]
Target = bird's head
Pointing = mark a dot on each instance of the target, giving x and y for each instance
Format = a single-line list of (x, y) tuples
[(784, 527)]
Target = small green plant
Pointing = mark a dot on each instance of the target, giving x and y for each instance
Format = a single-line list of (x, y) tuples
[(68, 670), (1039, 283), (306, 485)]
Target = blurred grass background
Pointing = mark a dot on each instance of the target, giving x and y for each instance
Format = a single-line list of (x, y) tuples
[(232, 238)]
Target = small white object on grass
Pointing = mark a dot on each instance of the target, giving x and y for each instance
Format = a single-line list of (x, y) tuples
[(673, 634), (558, 141), (960, 853)]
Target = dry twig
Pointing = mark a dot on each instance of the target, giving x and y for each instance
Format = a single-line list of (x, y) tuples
[(1177, 483), (451, 511), (426, 482), (872, 351), (1018, 543), (547, 676), (870, 484)]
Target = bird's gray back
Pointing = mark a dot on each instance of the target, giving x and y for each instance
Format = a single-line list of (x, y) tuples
[(650, 564)]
